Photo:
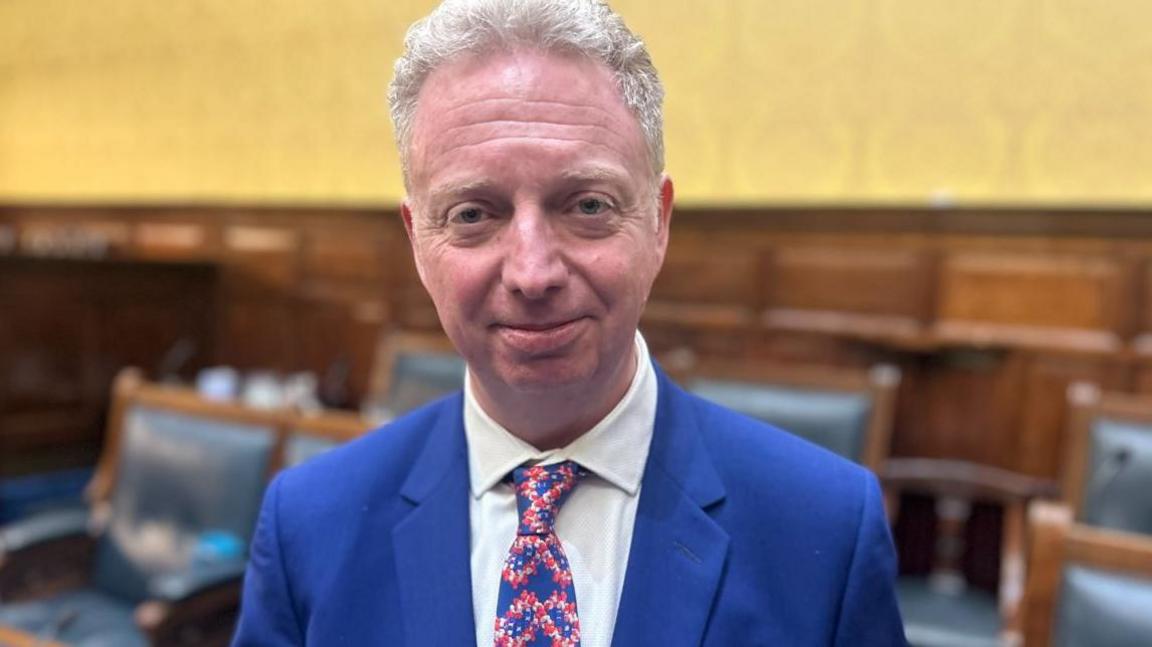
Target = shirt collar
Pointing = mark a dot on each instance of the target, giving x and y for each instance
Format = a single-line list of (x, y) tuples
[(615, 449)]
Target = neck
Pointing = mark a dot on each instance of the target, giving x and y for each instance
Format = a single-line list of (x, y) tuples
[(555, 418)]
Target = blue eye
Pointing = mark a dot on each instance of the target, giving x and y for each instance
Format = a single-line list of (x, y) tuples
[(591, 206), (469, 216)]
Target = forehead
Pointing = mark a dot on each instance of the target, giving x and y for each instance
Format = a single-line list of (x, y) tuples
[(527, 98)]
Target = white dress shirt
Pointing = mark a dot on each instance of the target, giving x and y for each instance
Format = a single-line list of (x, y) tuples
[(595, 523)]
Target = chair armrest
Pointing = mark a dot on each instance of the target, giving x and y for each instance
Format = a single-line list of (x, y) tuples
[(955, 485), (963, 479), (195, 608), (1048, 525), (45, 554), (176, 587), (42, 528)]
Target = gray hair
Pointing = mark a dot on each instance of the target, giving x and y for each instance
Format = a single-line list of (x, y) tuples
[(585, 27)]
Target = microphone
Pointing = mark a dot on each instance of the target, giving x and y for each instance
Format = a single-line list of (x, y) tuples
[(1115, 464)]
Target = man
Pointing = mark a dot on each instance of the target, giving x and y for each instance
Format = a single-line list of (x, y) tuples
[(571, 495)]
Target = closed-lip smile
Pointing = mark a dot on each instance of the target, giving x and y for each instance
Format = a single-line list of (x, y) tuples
[(540, 338), (536, 326)]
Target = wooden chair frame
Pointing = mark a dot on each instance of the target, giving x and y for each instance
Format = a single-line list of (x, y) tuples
[(1087, 404), (131, 390), (1056, 539), (66, 560), (340, 426), (390, 346), (336, 426), (880, 383), (13, 638), (955, 485)]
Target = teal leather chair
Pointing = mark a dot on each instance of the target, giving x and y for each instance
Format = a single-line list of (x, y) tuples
[(158, 558), (1108, 469), (1087, 586), (411, 369), (846, 411), (1103, 608), (940, 607)]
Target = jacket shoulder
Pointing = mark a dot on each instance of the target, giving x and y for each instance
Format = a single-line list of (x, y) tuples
[(761, 460)]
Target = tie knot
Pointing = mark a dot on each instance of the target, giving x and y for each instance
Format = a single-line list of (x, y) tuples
[(540, 491)]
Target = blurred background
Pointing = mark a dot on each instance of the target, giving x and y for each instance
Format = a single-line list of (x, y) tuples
[(939, 210)]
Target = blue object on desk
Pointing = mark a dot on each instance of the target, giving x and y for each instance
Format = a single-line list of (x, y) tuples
[(217, 546)]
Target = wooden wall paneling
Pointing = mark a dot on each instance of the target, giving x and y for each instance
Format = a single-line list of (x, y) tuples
[(706, 281), (156, 315), (261, 259), (1142, 306), (45, 337), (258, 333), (1132, 305), (870, 292), (1060, 301), (345, 255), (43, 346), (961, 404), (1043, 406), (704, 300), (344, 299), (1140, 380), (69, 325), (180, 240), (71, 233), (261, 268), (802, 347), (1003, 408), (340, 334), (987, 311)]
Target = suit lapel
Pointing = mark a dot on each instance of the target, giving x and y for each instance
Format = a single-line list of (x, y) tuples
[(678, 552), (432, 542)]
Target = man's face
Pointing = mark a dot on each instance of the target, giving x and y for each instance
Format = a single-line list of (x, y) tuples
[(535, 219)]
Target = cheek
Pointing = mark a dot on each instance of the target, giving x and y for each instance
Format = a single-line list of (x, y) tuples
[(643, 274), (623, 279), (459, 282)]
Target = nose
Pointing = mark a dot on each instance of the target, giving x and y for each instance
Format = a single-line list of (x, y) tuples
[(534, 265)]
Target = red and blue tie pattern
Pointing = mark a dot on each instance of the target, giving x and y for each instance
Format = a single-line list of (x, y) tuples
[(537, 604)]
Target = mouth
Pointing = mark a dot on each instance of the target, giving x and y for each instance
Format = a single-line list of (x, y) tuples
[(536, 326), (540, 338)]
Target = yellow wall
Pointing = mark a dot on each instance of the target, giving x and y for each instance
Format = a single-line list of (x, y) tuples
[(770, 101)]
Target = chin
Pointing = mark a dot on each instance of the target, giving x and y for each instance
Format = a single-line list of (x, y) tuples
[(546, 376)]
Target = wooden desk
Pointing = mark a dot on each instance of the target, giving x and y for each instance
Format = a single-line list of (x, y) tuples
[(13, 638)]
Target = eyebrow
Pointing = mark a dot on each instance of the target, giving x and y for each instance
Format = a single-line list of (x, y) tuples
[(459, 188)]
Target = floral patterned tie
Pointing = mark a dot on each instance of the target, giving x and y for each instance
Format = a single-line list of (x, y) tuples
[(537, 604)]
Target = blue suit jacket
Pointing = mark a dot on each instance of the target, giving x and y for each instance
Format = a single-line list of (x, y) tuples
[(745, 535)]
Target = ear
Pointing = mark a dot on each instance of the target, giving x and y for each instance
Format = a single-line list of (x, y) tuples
[(664, 217), (406, 216)]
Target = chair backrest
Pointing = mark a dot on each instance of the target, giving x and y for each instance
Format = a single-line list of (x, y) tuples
[(956, 488), (181, 479), (411, 369), (1108, 469), (1087, 586), (847, 411), (316, 433)]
